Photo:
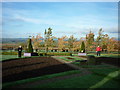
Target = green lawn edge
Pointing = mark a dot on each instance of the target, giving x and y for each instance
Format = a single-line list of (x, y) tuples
[(106, 79), (9, 84)]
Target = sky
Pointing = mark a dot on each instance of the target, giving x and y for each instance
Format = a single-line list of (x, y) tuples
[(22, 19)]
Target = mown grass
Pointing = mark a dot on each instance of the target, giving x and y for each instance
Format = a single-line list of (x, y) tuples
[(107, 55), (8, 57), (66, 58), (86, 81), (111, 55), (103, 72), (75, 82), (94, 66), (9, 84), (5, 57), (100, 78)]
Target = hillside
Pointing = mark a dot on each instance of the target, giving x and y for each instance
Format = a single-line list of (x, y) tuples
[(13, 40)]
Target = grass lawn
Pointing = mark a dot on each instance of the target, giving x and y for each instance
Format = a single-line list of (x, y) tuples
[(111, 55), (9, 84), (103, 76), (5, 57), (94, 66), (107, 55), (66, 58), (100, 78)]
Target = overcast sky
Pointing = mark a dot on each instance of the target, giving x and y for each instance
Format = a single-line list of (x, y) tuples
[(22, 19)]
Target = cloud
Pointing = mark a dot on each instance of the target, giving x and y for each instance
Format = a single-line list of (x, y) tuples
[(26, 19), (63, 21)]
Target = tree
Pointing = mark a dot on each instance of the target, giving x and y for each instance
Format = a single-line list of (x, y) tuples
[(76, 45), (48, 38), (82, 47), (36, 41), (30, 47), (90, 41), (100, 37), (111, 44), (61, 43), (23, 44), (104, 42), (71, 41)]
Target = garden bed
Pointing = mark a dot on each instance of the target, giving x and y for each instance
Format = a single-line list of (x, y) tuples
[(69, 58), (23, 68)]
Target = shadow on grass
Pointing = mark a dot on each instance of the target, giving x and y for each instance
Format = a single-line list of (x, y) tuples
[(109, 77), (37, 72)]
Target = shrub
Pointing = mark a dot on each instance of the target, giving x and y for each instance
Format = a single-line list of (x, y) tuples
[(59, 54), (82, 48), (10, 53), (30, 47), (42, 54)]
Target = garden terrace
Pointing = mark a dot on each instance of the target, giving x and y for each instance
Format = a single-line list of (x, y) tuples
[(23, 68)]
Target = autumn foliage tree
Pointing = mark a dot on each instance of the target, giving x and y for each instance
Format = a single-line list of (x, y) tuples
[(61, 43), (89, 41), (71, 41), (36, 41), (111, 44), (100, 37), (76, 45)]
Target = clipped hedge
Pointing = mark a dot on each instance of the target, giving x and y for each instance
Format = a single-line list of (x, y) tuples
[(41, 53), (59, 54), (54, 54), (10, 53)]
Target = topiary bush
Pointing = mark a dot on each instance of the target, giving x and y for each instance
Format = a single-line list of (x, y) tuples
[(82, 48), (30, 47)]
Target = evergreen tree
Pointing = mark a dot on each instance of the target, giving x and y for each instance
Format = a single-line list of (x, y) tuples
[(30, 47), (82, 47)]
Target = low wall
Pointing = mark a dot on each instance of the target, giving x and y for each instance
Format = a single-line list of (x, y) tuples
[(109, 60)]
